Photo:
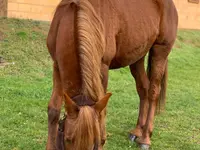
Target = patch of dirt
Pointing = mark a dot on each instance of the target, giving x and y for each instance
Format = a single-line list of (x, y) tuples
[(40, 30), (177, 45), (1, 59), (3, 63)]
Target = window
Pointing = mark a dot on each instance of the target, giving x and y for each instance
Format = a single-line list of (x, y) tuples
[(194, 1)]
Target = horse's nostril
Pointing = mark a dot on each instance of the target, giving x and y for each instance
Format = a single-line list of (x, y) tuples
[(95, 146), (103, 142)]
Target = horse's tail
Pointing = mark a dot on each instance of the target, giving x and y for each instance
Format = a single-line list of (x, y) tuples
[(91, 39), (162, 97)]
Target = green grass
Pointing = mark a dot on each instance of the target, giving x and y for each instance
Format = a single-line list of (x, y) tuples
[(25, 89)]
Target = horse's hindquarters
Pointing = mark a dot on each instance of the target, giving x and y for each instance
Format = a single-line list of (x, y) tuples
[(139, 24)]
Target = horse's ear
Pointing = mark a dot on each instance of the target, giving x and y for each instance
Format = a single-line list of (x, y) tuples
[(70, 106), (101, 104)]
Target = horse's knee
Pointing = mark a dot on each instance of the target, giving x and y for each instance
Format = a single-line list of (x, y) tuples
[(142, 90), (53, 115)]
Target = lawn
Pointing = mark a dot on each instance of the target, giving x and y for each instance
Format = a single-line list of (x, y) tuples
[(26, 83)]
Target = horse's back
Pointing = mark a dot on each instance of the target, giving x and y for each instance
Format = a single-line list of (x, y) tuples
[(132, 27)]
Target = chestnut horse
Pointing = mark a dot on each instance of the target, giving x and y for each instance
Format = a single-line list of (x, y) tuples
[(89, 37)]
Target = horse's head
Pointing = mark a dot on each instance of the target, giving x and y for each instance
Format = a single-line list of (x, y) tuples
[(82, 124)]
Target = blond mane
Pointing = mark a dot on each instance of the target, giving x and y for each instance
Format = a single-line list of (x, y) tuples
[(91, 49), (91, 41)]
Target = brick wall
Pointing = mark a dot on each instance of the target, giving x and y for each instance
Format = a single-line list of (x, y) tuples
[(3, 7), (189, 14), (32, 9)]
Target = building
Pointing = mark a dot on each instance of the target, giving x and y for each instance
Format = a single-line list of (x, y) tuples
[(189, 13), (189, 10), (28, 9)]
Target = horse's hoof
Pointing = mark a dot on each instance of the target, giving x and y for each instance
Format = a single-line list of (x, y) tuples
[(144, 146), (132, 137)]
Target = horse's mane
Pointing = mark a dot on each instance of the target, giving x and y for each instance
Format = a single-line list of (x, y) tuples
[(91, 49), (91, 40)]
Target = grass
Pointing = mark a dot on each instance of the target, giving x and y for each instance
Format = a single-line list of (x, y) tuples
[(25, 89)]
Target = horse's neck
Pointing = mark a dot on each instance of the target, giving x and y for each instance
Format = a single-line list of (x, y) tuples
[(97, 4)]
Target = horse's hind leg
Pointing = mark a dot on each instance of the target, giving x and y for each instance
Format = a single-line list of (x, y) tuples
[(142, 85), (54, 107), (158, 61)]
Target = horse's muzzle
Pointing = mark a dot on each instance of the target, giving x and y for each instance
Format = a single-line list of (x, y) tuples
[(60, 141)]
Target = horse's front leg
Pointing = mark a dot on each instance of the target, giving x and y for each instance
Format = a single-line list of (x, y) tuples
[(142, 85), (104, 70), (54, 107)]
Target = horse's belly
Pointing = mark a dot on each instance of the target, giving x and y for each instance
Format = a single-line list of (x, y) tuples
[(127, 57), (128, 54)]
